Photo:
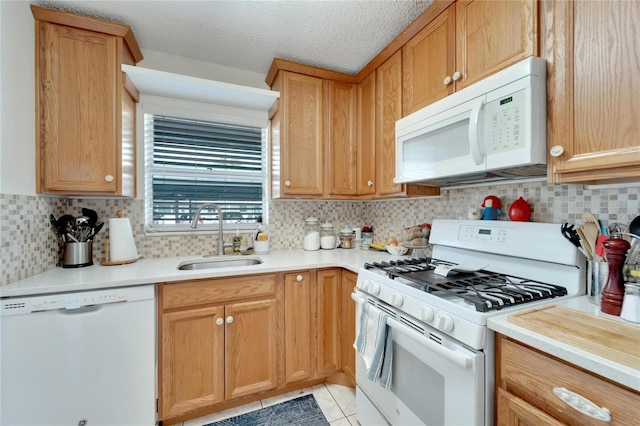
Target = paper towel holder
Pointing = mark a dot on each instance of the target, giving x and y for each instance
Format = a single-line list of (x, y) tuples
[(107, 261)]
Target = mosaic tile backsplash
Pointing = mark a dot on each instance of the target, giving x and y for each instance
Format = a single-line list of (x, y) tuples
[(28, 246)]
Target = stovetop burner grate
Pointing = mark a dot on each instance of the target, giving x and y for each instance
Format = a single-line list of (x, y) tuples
[(485, 290)]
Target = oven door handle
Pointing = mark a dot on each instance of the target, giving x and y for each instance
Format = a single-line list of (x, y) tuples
[(456, 358)]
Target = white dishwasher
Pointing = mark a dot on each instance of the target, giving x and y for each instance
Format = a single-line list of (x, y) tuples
[(82, 358)]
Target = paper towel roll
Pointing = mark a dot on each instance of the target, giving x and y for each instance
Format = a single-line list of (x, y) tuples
[(121, 243)]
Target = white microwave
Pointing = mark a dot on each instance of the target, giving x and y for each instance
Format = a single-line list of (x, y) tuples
[(492, 130)]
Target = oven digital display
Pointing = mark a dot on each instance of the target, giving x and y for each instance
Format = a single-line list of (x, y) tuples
[(484, 231), (506, 100)]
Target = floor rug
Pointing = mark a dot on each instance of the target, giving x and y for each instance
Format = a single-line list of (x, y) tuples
[(299, 411)]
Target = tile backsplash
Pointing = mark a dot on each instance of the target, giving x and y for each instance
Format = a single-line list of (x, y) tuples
[(28, 246)]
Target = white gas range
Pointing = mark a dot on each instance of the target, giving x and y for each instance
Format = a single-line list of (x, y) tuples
[(442, 349)]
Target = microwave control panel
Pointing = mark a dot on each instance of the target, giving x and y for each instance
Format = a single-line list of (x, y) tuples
[(504, 123)]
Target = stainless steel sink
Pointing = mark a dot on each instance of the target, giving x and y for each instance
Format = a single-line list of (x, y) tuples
[(219, 262)]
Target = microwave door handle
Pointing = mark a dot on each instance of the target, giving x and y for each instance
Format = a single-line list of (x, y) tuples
[(477, 152)]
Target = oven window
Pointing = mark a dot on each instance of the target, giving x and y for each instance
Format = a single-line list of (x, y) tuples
[(418, 386)]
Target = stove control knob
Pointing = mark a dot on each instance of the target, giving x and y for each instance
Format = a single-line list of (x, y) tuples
[(374, 289), (363, 285), (445, 323), (427, 314), (397, 300)]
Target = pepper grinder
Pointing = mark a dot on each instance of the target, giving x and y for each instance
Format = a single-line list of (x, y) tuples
[(613, 291)]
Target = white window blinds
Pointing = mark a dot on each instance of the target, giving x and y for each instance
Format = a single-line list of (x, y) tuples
[(192, 162)]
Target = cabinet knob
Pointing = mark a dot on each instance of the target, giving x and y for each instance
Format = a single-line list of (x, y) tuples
[(219, 321), (556, 151), (456, 76), (299, 278), (369, 183), (447, 80), (287, 183), (108, 178), (229, 319)]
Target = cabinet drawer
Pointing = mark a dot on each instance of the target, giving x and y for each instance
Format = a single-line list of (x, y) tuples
[(216, 290), (532, 376)]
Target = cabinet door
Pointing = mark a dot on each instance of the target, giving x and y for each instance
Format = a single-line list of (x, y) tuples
[(388, 111), (593, 91), (492, 35), (251, 353), (366, 136), (348, 324), (301, 135), (513, 411), (427, 60), (191, 361), (76, 122), (298, 330), (329, 322), (341, 137)]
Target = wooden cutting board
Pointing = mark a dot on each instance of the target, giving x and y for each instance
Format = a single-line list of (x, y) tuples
[(609, 339)]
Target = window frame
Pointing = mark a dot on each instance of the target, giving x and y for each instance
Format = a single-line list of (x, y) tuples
[(191, 110)]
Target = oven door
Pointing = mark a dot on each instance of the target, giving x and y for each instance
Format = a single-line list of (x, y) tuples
[(435, 381)]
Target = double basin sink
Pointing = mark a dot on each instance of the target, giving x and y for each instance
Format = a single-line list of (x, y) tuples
[(218, 262)]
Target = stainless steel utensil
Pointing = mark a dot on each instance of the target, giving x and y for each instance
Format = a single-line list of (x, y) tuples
[(634, 226)]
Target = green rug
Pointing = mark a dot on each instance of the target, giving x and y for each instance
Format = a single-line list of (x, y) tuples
[(299, 411)]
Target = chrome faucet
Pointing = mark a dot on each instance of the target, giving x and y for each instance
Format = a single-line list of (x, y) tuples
[(194, 224)]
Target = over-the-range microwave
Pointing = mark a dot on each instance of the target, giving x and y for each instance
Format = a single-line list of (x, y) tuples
[(492, 130)]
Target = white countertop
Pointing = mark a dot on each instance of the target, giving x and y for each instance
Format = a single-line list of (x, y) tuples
[(604, 367), (147, 271)]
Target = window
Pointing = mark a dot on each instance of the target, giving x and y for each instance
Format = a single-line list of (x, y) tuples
[(192, 162)]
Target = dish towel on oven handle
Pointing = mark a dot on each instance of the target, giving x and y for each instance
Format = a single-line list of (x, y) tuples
[(374, 343)]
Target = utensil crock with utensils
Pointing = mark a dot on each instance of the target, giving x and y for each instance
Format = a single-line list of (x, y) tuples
[(77, 255)]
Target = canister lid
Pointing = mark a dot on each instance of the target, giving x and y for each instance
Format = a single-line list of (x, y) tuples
[(312, 220)]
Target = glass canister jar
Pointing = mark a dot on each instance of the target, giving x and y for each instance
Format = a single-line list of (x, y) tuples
[(328, 238), (347, 238), (311, 234)]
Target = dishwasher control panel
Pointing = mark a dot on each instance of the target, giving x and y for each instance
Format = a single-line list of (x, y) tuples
[(68, 301)]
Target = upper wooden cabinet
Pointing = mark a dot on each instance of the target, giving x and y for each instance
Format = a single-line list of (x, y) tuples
[(592, 91), (366, 136), (341, 143), (470, 40), (388, 111), (297, 137), (428, 58), (85, 107)]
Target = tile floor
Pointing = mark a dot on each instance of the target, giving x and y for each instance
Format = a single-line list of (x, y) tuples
[(338, 404)]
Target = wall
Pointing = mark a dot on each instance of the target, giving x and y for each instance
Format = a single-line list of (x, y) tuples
[(29, 246)]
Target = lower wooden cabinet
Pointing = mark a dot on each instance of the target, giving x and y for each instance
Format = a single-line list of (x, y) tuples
[(191, 338), (218, 352), (250, 348), (329, 324), (299, 328), (348, 324), (513, 411), (526, 380), (227, 341)]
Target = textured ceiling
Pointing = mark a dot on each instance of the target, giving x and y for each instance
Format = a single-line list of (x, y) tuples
[(341, 35)]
